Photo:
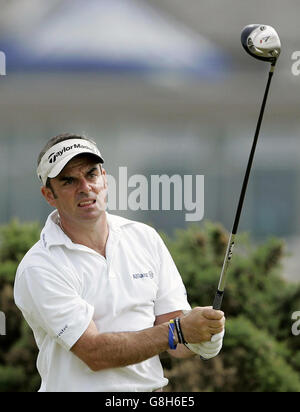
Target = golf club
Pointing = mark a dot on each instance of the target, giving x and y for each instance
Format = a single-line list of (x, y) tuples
[(263, 43)]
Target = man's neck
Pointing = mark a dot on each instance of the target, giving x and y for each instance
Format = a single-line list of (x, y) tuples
[(92, 234)]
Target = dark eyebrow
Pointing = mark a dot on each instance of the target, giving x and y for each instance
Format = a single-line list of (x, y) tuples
[(93, 169), (65, 178)]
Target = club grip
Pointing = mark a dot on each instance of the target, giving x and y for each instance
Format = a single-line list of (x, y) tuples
[(218, 300)]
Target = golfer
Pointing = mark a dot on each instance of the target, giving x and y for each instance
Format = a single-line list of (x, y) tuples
[(100, 292)]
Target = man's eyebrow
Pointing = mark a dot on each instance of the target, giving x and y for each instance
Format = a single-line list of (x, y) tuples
[(93, 169), (66, 177), (63, 178)]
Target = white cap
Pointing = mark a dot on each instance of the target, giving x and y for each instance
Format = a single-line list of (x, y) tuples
[(56, 158)]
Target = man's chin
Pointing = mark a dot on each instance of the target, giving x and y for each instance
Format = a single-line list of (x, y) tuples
[(90, 214)]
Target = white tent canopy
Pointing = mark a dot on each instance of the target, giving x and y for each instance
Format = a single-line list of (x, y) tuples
[(116, 34)]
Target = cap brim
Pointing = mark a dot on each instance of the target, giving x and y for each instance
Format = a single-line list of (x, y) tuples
[(61, 164)]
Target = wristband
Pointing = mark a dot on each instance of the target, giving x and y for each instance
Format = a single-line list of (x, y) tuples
[(179, 331), (172, 344)]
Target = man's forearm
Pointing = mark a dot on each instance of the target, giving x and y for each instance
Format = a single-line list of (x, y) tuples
[(113, 350)]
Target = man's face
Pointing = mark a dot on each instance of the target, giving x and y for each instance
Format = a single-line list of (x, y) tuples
[(79, 191)]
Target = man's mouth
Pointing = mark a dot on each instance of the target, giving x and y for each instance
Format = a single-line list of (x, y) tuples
[(86, 203)]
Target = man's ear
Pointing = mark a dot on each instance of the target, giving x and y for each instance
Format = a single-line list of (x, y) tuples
[(104, 177), (48, 195)]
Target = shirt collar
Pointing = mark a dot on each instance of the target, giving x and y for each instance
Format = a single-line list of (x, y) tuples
[(53, 235)]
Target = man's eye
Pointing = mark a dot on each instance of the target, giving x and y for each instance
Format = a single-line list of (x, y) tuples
[(68, 182)]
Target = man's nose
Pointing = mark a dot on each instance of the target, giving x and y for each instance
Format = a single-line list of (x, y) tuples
[(84, 186)]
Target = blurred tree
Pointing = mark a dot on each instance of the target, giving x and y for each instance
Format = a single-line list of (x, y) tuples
[(18, 351), (259, 352)]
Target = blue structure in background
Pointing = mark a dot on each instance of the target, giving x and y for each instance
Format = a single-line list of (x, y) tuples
[(120, 36)]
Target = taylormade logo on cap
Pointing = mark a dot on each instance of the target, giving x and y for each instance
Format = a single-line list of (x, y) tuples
[(55, 159), (53, 156)]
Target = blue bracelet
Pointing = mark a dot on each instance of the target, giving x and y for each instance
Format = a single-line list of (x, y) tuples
[(172, 344)]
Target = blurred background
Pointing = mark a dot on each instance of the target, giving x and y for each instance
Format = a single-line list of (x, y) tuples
[(164, 87)]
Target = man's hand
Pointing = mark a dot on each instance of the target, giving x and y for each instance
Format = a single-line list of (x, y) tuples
[(200, 324)]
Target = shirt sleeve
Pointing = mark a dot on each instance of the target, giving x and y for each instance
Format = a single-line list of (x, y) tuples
[(172, 295), (50, 300)]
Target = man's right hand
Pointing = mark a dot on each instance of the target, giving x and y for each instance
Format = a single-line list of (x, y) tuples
[(201, 323)]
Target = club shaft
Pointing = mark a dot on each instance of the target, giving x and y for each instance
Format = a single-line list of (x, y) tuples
[(251, 157), (221, 287)]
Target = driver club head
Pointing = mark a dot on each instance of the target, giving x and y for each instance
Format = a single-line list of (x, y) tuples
[(261, 42)]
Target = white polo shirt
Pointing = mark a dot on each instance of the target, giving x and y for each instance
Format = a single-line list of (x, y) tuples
[(61, 286)]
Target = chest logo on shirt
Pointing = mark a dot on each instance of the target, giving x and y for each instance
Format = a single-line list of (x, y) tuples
[(149, 275)]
